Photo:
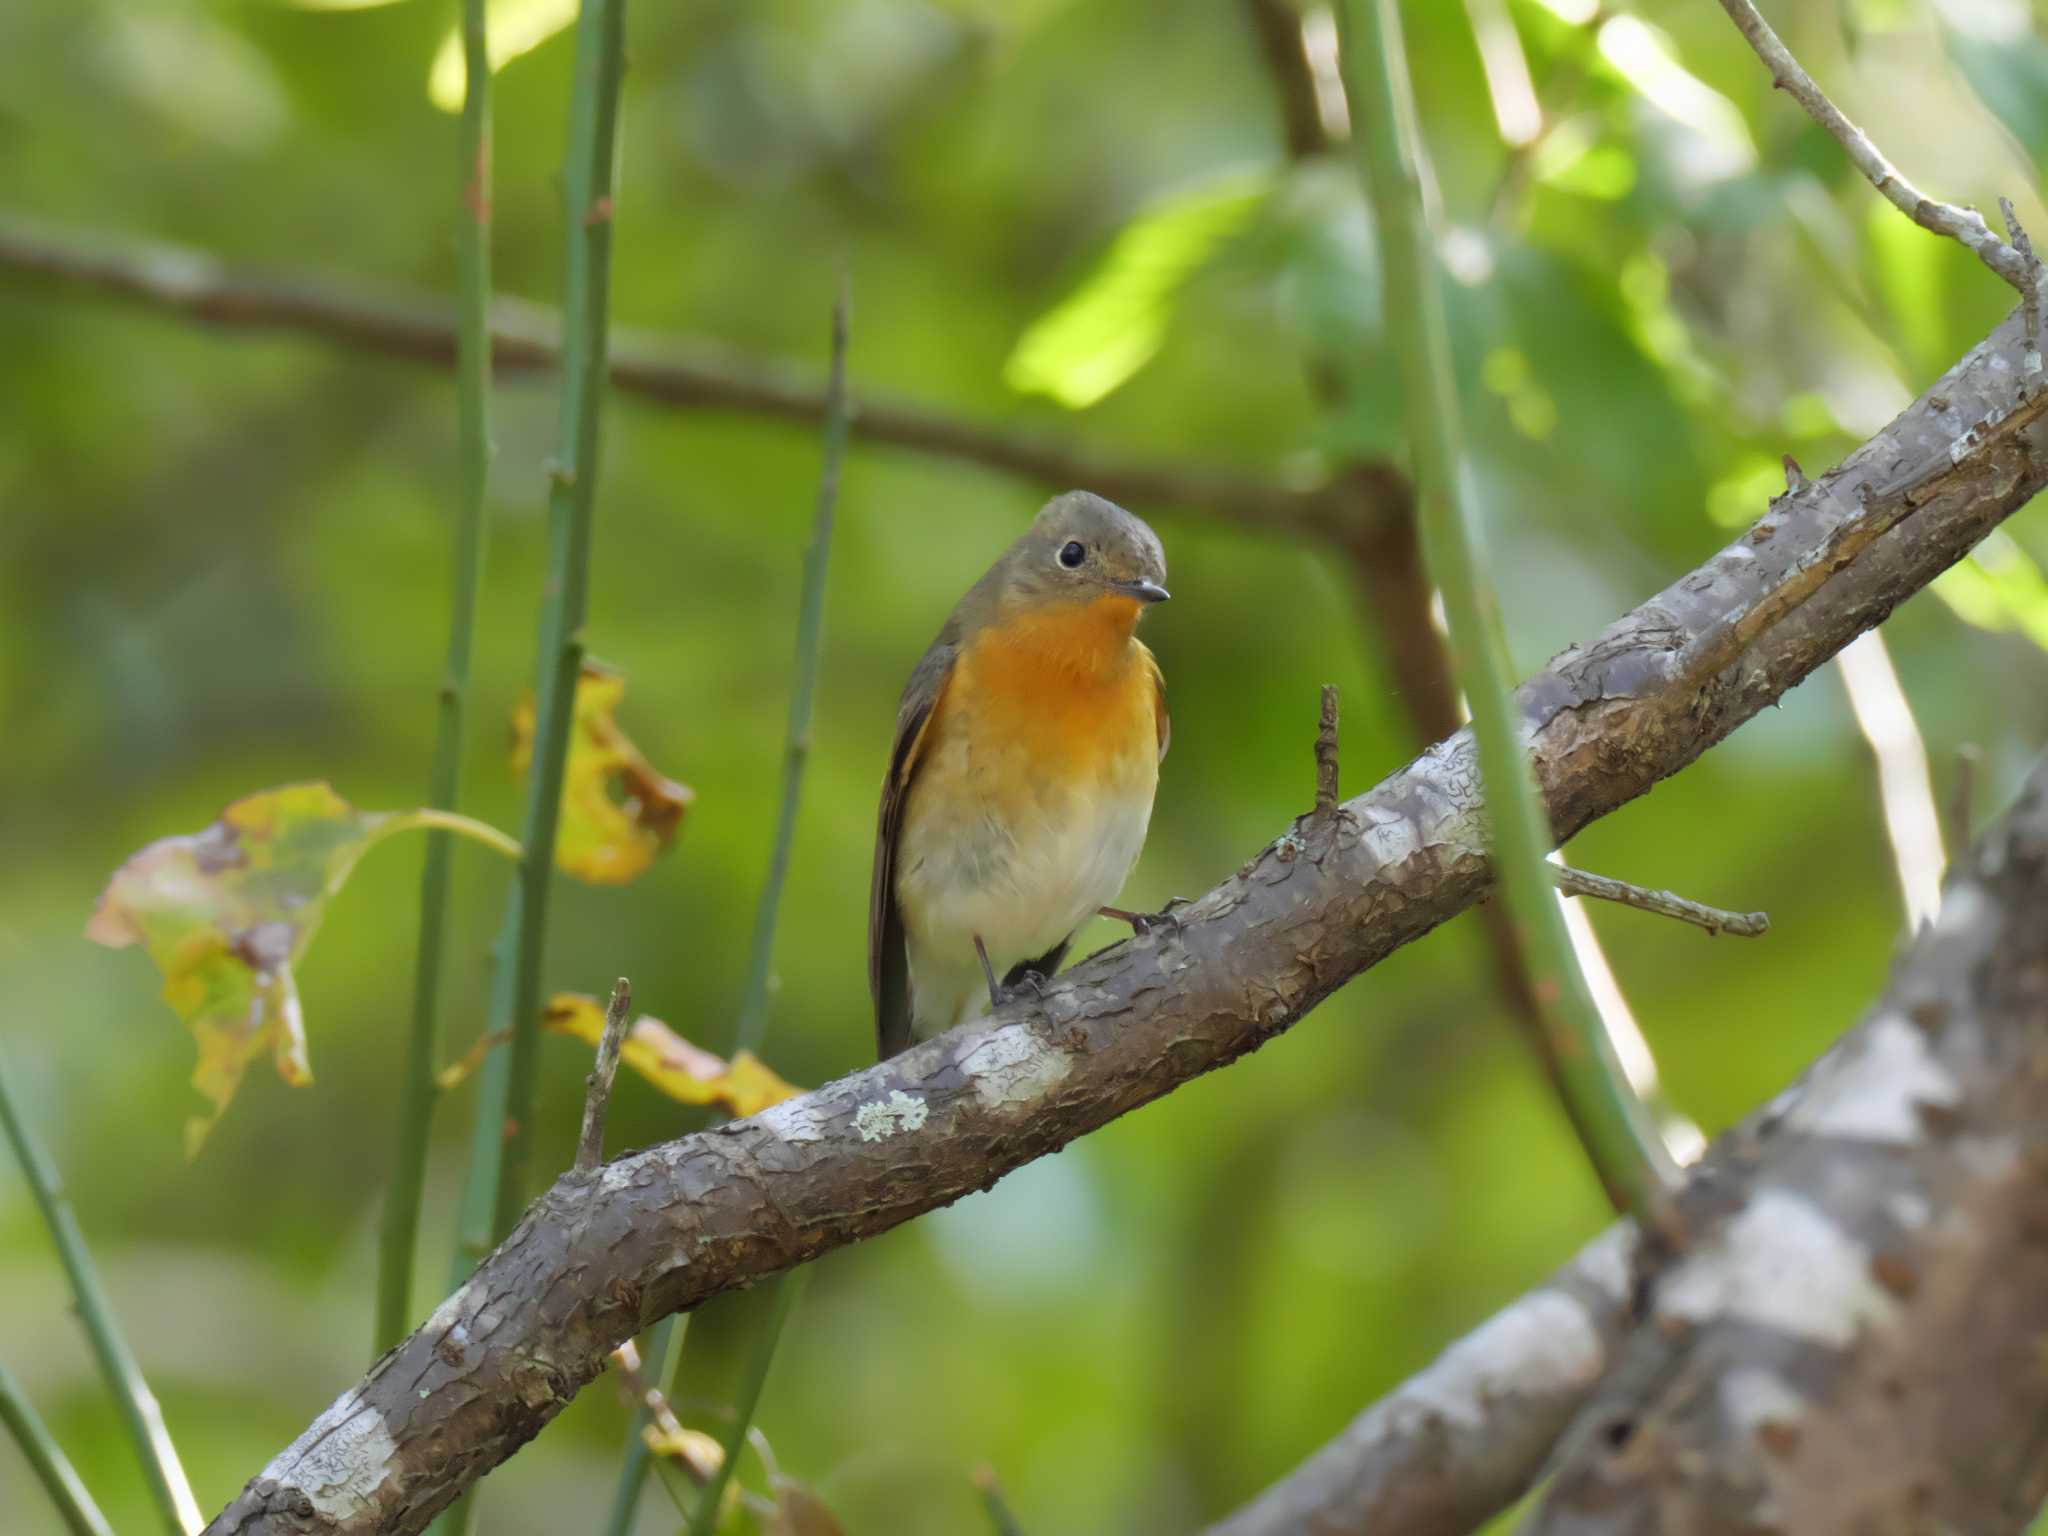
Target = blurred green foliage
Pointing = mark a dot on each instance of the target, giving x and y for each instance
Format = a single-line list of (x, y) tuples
[(224, 565)]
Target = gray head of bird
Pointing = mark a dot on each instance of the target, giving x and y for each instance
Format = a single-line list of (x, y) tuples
[(1082, 549)]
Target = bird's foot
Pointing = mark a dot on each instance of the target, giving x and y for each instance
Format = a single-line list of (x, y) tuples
[(1143, 923), (1021, 985)]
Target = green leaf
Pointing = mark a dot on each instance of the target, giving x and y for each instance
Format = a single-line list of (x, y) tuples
[(2000, 587), (228, 912), (516, 27), (1109, 327), (2010, 76)]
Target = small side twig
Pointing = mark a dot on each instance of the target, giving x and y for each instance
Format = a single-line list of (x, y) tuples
[(1326, 753), (1576, 882), (2032, 287), (590, 1146), (1965, 226), (992, 1500)]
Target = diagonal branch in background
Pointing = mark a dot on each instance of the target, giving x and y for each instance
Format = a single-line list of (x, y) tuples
[(596, 1260), (1965, 226), (1467, 1435), (690, 375)]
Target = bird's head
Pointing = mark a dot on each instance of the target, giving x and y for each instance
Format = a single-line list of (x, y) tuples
[(1082, 549)]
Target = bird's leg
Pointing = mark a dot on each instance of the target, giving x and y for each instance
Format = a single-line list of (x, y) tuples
[(1023, 982), (1143, 923), (989, 972)]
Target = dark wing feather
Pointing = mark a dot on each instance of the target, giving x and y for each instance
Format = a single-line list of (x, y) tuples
[(1162, 721), (888, 961)]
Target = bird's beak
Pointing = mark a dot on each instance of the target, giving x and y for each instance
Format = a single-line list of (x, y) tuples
[(1145, 591)]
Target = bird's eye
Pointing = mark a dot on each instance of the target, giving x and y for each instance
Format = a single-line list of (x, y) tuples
[(1073, 554)]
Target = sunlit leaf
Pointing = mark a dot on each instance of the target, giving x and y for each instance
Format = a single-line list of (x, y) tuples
[(698, 1452), (617, 811), (2000, 587), (2007, 66), (1645, 58), (228, 912), (1110, 326), (687, 1073), (516, 27)]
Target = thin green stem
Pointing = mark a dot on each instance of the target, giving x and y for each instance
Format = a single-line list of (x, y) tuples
[(664, 1349), (474, 1215), (417, 1092), (999, 1516), (118, 1368), (52, 1467), (437, 821), (593, 124), (501, 1146), (1618, 1137), (809, 633), (788, 1287)]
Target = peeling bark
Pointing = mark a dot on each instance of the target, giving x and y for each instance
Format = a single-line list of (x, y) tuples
[(597, 1259)]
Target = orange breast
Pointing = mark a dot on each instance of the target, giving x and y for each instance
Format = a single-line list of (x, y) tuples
[(1067, 683)]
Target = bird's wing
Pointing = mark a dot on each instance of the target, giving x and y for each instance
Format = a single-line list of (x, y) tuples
[(1163, 722), (888, 961)]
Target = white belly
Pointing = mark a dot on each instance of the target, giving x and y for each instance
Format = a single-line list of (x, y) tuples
[(1022, 878)]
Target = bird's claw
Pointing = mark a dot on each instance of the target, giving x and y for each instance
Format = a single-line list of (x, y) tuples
[(1145, 923), (1021, 986)]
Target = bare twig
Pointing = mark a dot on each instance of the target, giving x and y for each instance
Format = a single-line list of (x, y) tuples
[(1326, 753), (1965, 226), (676, 372), (1576, 882), (590, 1145), (2032, 290)]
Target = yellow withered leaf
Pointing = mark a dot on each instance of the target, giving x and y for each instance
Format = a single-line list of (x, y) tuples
[(687, 1073), (227, 913), (605, 840)]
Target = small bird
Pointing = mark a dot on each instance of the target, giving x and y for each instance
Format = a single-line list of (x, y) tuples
[(1020, 783)]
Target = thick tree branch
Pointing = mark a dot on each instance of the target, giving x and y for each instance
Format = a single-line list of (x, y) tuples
[(1464, 1438), (690, 375), (596, 1260), (1468, 1435), (1853, 1344)]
